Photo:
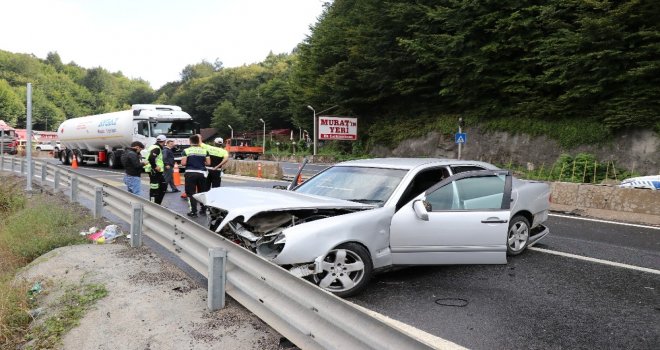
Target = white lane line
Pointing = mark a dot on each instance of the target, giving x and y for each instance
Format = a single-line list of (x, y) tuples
[(599, 261), (604, 221), (427, 338)]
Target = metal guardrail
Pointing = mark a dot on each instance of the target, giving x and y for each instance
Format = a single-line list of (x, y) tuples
[(306, 315)]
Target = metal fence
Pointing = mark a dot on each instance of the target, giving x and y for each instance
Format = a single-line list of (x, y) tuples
[(308, 316)]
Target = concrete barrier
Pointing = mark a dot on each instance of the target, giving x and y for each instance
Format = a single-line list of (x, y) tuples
[(269, 170), (607, 202)]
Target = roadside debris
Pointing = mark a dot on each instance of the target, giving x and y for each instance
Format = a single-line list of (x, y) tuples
[(106, 235)]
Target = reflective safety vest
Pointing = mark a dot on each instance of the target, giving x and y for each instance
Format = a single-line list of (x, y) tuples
[(217, 154), (195, 158), (159, 159)]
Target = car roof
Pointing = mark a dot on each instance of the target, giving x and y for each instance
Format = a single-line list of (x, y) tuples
[(410, 163)]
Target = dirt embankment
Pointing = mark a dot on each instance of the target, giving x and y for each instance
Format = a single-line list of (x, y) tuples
[(151, 304)]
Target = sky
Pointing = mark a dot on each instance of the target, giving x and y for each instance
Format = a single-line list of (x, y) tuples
[(155, 39)]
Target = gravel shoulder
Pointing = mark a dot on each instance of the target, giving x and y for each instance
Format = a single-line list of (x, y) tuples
[(151, 304)]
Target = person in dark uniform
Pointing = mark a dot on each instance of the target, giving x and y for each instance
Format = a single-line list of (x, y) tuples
[(195, 159), (219, 157), (155, 169)]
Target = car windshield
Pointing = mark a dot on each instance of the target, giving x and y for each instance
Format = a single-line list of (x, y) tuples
[(174, 129), (358, 184)]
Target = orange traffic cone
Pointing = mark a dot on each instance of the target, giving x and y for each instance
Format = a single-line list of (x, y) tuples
[(176, 175), (74, 162)]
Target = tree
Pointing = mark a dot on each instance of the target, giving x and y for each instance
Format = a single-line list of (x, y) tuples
[(226, 114), (11, 105)]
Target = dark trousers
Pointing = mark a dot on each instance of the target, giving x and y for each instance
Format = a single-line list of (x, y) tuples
[(195, 182), (157, 187), (168, 174), (213, 180)]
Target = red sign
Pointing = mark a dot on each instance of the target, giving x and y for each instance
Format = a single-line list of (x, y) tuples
[(337, 128)]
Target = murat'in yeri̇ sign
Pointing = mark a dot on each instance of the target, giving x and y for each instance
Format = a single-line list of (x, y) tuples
[(337, 128)]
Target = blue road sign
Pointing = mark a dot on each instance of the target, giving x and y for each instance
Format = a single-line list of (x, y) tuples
[(461, 137)]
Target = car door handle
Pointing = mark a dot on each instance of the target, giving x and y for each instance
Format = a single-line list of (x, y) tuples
[(494, 221)]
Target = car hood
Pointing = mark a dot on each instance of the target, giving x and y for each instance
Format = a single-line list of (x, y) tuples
[(248, 201)]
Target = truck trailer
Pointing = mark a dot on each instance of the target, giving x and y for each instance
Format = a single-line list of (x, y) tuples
[(103, 138)]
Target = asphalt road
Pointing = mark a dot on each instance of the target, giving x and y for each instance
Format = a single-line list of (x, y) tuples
[(537, 301)]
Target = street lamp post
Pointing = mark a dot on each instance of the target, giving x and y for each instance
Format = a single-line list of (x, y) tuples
[(264, 140), (232, 131), (313, 110)]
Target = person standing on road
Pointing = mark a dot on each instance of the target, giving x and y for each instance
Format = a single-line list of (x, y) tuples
[(133, 165), (219, 157), (195, 159), (168, 160), (155, 169)]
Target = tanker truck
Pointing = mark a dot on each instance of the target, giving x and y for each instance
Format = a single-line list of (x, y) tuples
[(102, 138)]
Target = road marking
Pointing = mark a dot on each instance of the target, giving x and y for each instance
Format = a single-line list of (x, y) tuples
[(604, 221), (599, 261), (427, 338)]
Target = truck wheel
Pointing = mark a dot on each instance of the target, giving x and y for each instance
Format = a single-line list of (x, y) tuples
[(114, 160), (64, 157)]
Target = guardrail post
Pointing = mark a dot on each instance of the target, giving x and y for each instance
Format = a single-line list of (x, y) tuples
[(98, 202), (44, 174), (22, 163), (217, 278), (12, 164), (2, 161), (136, 225), (74, 188), (56, 180)]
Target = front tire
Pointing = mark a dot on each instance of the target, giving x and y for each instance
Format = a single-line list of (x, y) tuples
[(347, 270), (518, 235)]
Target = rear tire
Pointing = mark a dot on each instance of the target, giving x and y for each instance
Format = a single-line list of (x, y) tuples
[(114, 160), (64, 157), (518, 235)]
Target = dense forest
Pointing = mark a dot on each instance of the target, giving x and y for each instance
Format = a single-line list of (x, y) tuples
[(577, 71)]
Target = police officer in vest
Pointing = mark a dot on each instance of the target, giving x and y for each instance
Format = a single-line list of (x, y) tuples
[(195, 159), (219, 157), (155, 169)]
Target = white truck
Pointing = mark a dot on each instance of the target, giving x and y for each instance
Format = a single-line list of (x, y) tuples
[(102, 138)]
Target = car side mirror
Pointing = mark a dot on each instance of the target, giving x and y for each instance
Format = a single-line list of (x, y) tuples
[(419, 208)]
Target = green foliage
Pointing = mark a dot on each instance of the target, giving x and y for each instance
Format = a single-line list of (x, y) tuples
[(583, 168), (62, 91), (12, 198), (40, 228), (71, 307), (568, 132), (30, 227)]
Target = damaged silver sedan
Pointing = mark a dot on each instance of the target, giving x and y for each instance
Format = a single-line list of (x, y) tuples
[(363, 216)]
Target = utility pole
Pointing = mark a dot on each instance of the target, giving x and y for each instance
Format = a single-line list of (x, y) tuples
[(28, 135)]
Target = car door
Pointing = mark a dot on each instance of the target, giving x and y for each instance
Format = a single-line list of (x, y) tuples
[(461, 220)]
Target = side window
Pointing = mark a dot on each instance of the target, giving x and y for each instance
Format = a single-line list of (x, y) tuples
[(472, 193), (143, 128), (455, 169), (422, 182)]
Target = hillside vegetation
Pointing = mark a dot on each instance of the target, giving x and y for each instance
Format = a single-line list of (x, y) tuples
[(577, 71)]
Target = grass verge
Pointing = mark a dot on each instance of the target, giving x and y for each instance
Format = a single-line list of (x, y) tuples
[(30, 225)]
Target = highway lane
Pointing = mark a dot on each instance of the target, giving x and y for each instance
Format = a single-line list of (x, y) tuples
[(536, 301)]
